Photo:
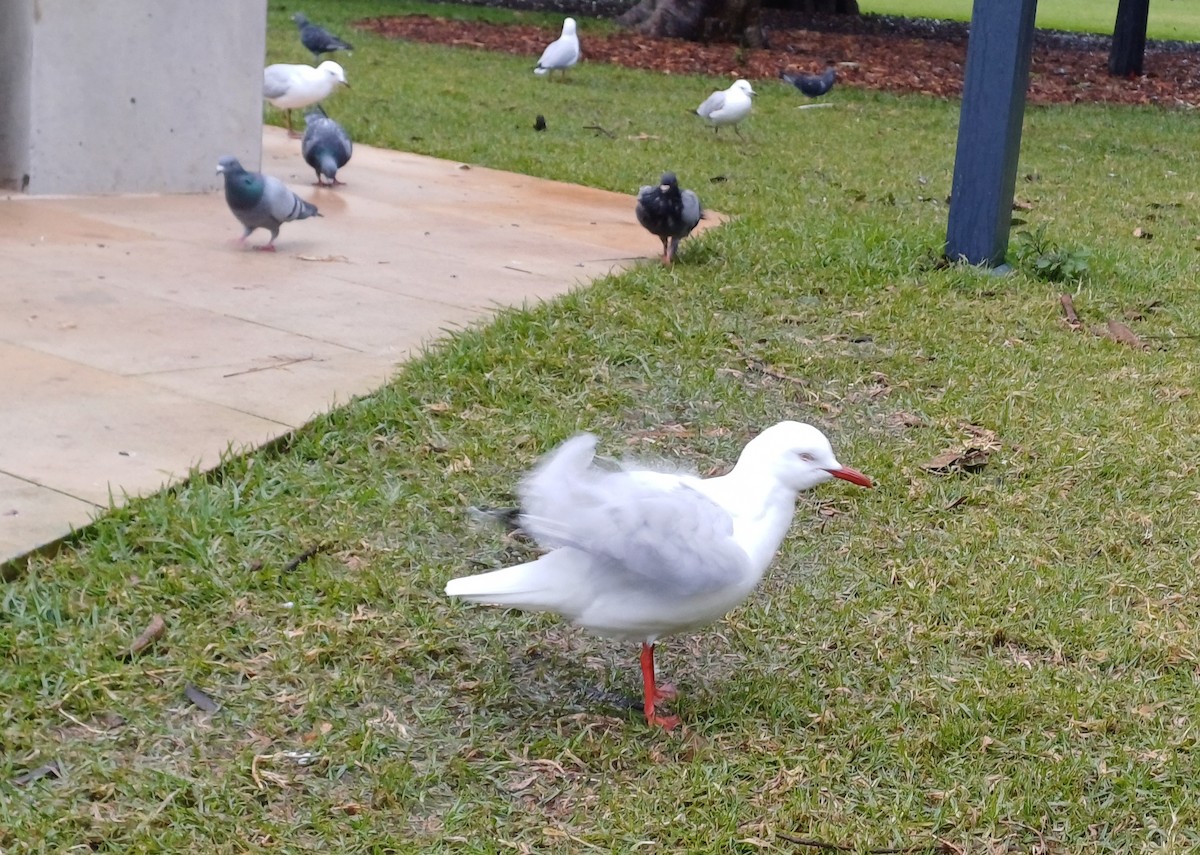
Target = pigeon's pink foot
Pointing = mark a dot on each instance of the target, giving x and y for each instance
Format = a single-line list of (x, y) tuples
[(655, 694), (266, 247)]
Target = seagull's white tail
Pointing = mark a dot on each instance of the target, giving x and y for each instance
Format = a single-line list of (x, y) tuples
[(544, 584)]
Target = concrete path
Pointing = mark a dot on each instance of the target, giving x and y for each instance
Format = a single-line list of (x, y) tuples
[(137, 341)]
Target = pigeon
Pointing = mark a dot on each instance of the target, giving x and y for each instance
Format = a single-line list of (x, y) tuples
[(727, 107), (639, 554), (318, 39), (812, 85), (290, 87), (668, 213), (562, 53), (260, 201), (539, 124), (326, 145)]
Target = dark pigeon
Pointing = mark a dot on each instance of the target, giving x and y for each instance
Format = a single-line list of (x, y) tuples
[(668, 213), (260, 201), (326, 146), (812, 85), (318, 39)]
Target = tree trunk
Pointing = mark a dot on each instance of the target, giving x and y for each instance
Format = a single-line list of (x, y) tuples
[(720, 20), (1129, 38), (699, 20), (816, 7)]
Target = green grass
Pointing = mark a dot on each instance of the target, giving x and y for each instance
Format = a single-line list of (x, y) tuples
[(1005, 660), (1169, 19)]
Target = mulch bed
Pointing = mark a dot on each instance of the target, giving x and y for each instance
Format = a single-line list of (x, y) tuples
[(1065, 71)]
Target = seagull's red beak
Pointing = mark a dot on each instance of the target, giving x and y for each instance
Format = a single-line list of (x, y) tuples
[(851, 475)]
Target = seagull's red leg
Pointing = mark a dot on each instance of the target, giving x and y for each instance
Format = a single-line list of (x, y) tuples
[(655, 693)]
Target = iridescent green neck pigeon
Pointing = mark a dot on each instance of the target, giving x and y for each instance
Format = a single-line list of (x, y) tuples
[(260, 201)]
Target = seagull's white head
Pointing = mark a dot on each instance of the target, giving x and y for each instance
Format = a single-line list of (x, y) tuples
[(333, 70), (743, 85), (569, 27), (798, 456)]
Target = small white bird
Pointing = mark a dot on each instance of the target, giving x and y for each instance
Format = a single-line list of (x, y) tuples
[(639, 554), (561, 53), (727, 107), (291, 87)]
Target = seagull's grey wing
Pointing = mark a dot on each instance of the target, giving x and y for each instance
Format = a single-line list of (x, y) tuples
[(712, 103), (276, 81), (560, 53), (693, 212), (654, 530)]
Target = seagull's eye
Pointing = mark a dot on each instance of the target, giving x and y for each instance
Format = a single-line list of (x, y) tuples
[(806, 457)]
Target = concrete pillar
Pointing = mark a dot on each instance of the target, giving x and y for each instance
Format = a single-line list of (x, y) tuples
[(128, 96)]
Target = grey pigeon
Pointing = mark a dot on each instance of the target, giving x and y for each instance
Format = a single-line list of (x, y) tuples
[(260, 201), (668, 213), (318, 39), (812, 85), (326, 145)]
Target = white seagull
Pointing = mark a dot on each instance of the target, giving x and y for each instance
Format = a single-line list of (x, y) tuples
[(727, 107), (639, 554), (291, 87), (561, 53)]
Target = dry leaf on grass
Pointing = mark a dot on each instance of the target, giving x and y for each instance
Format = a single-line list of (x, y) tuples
[(50, 769), (958, 460), (152, 633), (200, 699), (1120, 333)]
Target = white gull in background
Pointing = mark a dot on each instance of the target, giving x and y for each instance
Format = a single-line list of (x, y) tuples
[(561, 53), (639, 554), (728, 106), (291, 87)]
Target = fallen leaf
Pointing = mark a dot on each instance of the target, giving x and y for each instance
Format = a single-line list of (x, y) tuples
[(150, 634), (50, 769), (903, 419), (1068, 307), (1142, 233), (438, 407), (958, 460), (1120, 333), (324, 258), (200, 699)]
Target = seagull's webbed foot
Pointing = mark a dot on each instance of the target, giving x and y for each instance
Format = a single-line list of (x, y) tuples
[(655, 694)]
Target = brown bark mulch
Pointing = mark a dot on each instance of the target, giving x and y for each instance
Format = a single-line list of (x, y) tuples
[(871, 60)]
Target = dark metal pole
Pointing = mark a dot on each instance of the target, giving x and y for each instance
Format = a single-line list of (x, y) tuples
[(989, 130)]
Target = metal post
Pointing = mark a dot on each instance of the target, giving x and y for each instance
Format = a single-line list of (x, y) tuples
[(989, 130)]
